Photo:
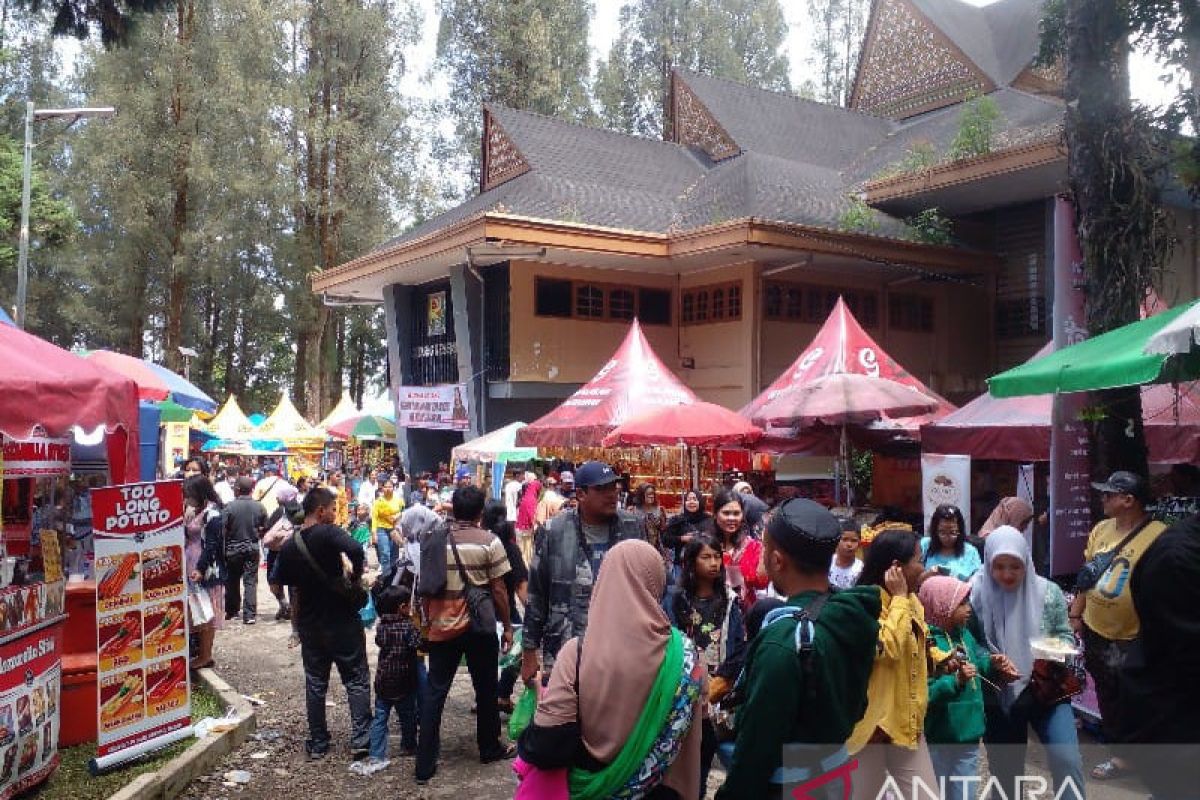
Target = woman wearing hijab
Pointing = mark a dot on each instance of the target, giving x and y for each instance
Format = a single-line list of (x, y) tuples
[(531, 492), (629, 692), (1015, 607), (1015, 512), (682, 527)]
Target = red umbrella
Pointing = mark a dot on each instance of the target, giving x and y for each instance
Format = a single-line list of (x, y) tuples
[(843, 398), (699, 424)]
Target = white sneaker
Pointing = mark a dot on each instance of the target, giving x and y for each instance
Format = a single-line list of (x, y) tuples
[(369, 766)]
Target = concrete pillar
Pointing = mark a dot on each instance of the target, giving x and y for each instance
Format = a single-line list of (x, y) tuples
[(397, 308), (466, 298)]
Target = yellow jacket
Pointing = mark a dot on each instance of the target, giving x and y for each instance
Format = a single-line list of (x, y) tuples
[(899, 689)]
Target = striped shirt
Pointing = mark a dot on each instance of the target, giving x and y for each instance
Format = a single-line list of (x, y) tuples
[(483, 560)]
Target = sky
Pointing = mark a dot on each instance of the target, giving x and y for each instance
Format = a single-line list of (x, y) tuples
[(605, 26)]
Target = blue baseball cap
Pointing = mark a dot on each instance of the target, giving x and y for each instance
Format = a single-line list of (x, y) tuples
[(594, 473)]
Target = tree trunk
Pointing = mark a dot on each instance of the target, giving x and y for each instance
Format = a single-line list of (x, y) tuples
[(138, 290), (181, 121), (1099, 147)]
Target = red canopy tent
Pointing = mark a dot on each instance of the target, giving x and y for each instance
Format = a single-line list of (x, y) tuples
[(699, 425), (43, 386), (841, 346), (1018, 428), (633, 382)]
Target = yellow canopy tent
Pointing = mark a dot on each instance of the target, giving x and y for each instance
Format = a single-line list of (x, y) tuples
[(286, 423), (344, 409), (229, 423)]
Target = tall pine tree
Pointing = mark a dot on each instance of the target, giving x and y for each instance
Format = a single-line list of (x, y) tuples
[(738, 39)]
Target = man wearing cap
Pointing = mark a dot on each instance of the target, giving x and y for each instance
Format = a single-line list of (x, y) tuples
[(1104, 615), (806, 699), (567, 557)]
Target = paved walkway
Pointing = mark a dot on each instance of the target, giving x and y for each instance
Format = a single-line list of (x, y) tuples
[(258, 662)]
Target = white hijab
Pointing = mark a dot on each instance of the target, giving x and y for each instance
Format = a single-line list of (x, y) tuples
[(1010, 619)]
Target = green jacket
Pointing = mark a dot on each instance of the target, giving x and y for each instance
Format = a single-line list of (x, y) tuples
[(955, 713), (778, 710)]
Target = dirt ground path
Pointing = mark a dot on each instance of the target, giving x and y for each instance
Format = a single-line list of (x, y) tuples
[(258, 662)]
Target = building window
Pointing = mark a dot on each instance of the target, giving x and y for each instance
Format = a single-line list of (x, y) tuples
[(654, 306), (552, 298), (621, 304), (600, 302), (720, 302), (1021, 317), (910, 312), (789, 302)]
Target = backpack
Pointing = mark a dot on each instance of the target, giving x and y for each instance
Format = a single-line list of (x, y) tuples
[(806, 631), (279, 532), (431, 580)]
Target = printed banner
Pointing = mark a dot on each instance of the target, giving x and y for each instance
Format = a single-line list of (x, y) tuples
[(441, 408), (945, 480), (36, 457), (141, 620), (435, 314), (1070, 461), (30, 686), (175, 446)]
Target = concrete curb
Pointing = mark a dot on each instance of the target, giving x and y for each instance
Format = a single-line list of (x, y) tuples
[(172, 779)]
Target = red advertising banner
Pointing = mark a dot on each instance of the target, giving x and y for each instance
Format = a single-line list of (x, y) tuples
[(30, 691), (142, 636), (1070, 464), (36, 457)]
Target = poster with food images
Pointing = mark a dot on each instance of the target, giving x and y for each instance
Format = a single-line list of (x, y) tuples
[(30, 684), (141, 618)]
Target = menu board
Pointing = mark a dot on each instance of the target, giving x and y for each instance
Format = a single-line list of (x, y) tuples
[(30, 687), (141, 619)]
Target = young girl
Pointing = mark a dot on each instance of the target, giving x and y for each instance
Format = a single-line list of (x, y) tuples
[(954, 721), (702, 607), (898, 692), (846, 565)]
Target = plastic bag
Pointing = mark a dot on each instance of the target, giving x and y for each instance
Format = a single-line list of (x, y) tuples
[(513, 657), (522, 713), (200, 606), (367, 613)]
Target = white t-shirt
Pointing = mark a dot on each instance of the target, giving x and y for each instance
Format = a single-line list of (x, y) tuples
[(512, 494), (844, 577), (366, 493), (224, 491)]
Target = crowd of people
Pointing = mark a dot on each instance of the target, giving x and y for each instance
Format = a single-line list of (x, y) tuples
[(788, 643)]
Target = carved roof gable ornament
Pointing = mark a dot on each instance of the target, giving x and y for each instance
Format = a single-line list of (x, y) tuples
[(908, 66), (694, 125), (502, 160)]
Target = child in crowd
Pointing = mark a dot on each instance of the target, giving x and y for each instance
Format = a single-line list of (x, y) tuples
[(954, 721), (711, 616), (397, 674), (846, 565), (360, 527)]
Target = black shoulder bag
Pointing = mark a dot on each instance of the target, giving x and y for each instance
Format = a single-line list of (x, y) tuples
[(348, 589), (480, 605), (1091, 572)]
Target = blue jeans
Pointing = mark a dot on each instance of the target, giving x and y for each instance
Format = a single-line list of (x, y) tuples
[(407, 708), (957, 760), (1055, 728), (383, 548)]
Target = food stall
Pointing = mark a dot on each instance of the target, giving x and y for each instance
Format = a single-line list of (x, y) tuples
[(632, 383), (50, 399), (302, 440)]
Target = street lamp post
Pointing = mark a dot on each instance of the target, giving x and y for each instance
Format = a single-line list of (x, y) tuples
[(37, 115)]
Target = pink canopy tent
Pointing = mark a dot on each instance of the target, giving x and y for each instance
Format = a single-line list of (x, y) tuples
[(46, 388), (841, 346), (633, 382), (1018, 428)]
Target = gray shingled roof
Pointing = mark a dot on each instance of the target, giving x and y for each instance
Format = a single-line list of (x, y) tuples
[(1000, 38)]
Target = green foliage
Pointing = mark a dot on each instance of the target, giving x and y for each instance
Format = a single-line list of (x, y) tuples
[(930, 227), (526, 54), (919, 157), (858, 216), (976, 127), (837, 31), (113, 19), (738, 39)]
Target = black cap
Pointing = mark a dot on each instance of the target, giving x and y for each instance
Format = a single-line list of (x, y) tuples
[(805, 530), (594, 473), (1123, 482)]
